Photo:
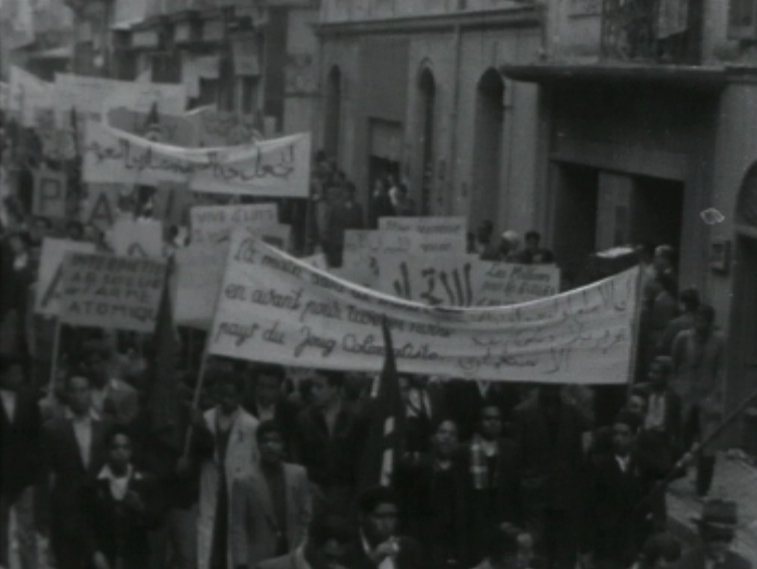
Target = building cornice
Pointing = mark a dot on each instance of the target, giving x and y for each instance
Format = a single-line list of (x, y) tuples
[(526, 16)]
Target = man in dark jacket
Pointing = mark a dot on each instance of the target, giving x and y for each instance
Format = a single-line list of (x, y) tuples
[(330, 435), (378, 540), (548, 432), (74, 453), (432, 490), (615, 516), (717, 528), (20, 426), (493, 493), (123, 505)]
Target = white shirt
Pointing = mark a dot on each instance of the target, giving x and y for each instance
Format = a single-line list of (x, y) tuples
[(655, 419), (83, 433), (118, 484), (388, 561), (9, 403), (418, 401), (623, 462)]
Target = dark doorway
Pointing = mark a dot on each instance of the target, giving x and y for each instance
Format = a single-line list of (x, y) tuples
[(427, 103), (333, 113), (657, 211), (576, 191), (487, 147)]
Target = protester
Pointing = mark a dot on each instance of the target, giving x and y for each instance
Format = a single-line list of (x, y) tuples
[(660, 551), (379, 543), (20, 426), (432, 489), (493, 480), (486, 250), (534, 254), (549, 432), (688, 305), (354, 211), (269, 403), (74, 451), (381, 203), (509, 246), (502, 550), (271, 507), (235, 454), (717, 529), (325, 547), (615, 515), (16, 276), (112, 397), (124, 504), (330, 436), (335, 222), (424, 404), (699, 367)]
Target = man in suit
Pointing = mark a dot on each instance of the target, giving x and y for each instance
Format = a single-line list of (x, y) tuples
[(424, 405), (268, 402), (112, 397), (615, 516), (378, 545), (328, 537), (20, 426), (124, 504), (433, 491), (234, 454), (330, 435), (493, 482), (74, 452), (270, 508), (549, 434), (717, 528)]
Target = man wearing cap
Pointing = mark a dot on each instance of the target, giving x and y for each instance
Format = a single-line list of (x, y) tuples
[(717, 528)]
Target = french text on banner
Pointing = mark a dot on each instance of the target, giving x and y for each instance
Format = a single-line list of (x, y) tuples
[(111, 292), (274, 308)]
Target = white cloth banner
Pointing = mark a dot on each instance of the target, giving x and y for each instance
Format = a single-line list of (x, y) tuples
[(274, 308), (279, 168), (464, 280)]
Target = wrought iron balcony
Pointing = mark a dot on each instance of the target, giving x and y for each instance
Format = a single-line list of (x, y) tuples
[(659, 31)]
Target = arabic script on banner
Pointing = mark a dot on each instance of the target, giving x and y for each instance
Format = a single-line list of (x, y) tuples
[(274, 308)]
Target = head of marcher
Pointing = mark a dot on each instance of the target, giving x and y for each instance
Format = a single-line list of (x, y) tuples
[(11, 373), (120, 450), (78, 386), (688, 300), (704, 323), (327, 389), (645, 253), (550, 400), (717, 527), (659, 372), (637, 401), (444, 440), (378, 512), (533, 240), (229, 388), (268, 381), (328, 537), (661, 551), (664, 258), (624, 430), (490, 422), (270, 438)]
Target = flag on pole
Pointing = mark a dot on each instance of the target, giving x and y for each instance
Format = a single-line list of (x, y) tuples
[(386, 434), (164, 400)]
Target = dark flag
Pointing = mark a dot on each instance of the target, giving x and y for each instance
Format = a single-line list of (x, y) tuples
[(152, 124), (164, 403), (386, 435)]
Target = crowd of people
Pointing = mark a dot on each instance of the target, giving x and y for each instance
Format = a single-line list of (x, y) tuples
[(259, 466)]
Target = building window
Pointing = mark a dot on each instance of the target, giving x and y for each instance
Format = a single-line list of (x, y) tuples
[(248, 95), (333, 113), (208, 92), (166, 68)]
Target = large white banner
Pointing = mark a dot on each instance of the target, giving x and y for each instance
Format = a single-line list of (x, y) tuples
[(274, 308), (464, 280), (278, 168), (423, 235)]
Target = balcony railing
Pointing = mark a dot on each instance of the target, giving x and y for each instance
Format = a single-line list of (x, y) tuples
[(661, 31)]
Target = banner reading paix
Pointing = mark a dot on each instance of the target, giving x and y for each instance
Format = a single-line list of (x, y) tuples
[(274, 308)]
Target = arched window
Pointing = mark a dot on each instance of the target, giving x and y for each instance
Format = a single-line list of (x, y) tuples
[(333, 112), (426, 132), (487, 147)]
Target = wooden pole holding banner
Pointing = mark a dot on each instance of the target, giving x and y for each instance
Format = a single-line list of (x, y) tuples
[(54, 363)]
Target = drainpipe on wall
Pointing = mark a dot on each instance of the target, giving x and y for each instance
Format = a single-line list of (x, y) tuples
[(453, 161)]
